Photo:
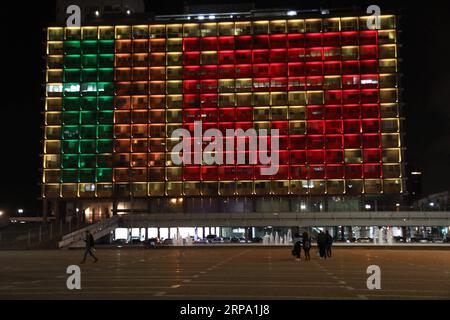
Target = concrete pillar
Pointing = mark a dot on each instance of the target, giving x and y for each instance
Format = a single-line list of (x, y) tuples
[(114, 208), (45, 209), (55, 209), (404, 232)]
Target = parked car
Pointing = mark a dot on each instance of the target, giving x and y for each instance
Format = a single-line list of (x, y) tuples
[(217, 240), (438, 240), (364, 240), (417, 239), (201, 241), (153, 243), (210, 238), (234, 240), (135, 240), (167, 242), (226, 239), (243, 240), (399, 239), (257, 240), (119, 242)]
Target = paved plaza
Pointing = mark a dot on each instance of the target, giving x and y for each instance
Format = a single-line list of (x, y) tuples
[(226, 273)]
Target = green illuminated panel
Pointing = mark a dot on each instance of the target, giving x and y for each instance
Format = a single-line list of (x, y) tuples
[(87, 111)]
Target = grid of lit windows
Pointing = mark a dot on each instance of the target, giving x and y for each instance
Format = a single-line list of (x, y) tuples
[(115, 95)]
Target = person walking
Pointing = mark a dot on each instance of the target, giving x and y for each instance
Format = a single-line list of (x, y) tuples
[(89, 239), (297, 250), (321, 244), (306, 242), (328, 244)]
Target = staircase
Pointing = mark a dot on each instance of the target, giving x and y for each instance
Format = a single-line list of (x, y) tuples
[(98, 230)]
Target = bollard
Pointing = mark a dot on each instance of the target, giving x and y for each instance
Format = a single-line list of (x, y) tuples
[(51, 230)]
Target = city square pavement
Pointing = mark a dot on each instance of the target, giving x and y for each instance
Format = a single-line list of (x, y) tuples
[(226, 273)]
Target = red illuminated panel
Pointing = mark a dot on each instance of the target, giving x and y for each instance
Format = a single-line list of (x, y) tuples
[(322, 91)]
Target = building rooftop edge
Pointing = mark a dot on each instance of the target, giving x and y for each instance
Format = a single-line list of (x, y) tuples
[(282, 13)]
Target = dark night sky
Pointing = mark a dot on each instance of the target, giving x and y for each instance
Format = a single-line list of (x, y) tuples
[(426, 82)]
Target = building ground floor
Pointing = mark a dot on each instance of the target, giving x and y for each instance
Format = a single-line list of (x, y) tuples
[(95, 209), (269, 218), (282, 235)]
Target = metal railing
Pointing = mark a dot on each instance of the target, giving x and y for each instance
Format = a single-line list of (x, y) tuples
[(35, 234)]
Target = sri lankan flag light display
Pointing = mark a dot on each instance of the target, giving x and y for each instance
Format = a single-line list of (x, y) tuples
[(115, 94)]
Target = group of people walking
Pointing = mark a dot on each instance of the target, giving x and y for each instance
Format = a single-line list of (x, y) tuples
[(324, 244)]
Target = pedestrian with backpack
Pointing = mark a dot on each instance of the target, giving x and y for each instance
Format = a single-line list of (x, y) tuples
[(328, 244), (321, 244), (306, 242), (90, 247), (297, 250)]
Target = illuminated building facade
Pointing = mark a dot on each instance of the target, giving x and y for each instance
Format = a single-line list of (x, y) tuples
[(115, 94)]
